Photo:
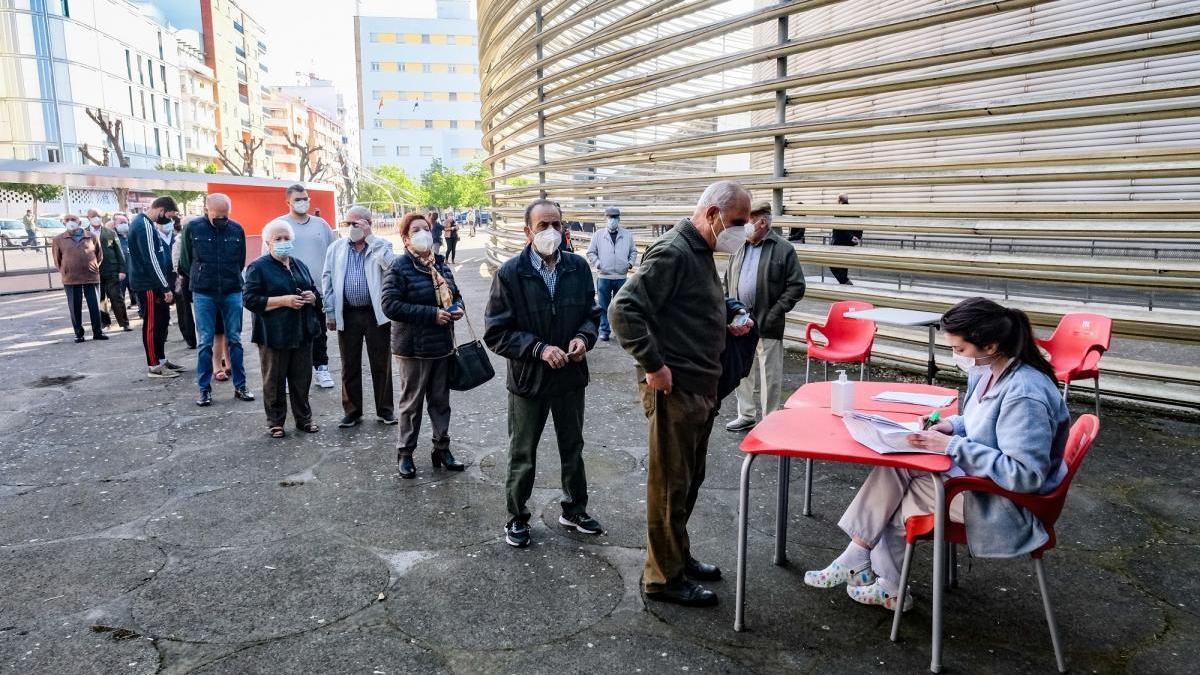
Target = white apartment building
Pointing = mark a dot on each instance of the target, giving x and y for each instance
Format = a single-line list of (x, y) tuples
[(197, 93), (61, 57)]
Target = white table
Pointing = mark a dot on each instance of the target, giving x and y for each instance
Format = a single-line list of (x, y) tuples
[(905, 317)]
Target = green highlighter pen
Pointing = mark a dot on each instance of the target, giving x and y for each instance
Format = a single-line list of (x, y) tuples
[(932, 419)]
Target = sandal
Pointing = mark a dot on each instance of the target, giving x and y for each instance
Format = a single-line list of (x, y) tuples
[(276, 432), (309, 427), (837, 574), (875, 594)]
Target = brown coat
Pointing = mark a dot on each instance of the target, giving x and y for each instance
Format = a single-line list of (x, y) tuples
[(78, 261)]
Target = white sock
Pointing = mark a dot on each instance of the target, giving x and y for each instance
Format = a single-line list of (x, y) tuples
[(854, 556)]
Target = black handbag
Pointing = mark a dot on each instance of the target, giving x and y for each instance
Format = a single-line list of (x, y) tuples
[(471, 366)]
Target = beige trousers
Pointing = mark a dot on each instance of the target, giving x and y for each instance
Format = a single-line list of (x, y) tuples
[(766, 376)]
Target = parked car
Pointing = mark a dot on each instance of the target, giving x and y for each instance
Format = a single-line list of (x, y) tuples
[(484, 218), (50, 227), (12, 233)]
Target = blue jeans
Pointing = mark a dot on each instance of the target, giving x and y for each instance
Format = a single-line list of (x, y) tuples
[(206, 308), (607, 289)]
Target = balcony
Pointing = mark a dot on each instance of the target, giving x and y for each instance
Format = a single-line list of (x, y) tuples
[(240, 52), (244, 99), (262, 66), (239, 27), (262, 46), (241, 75)]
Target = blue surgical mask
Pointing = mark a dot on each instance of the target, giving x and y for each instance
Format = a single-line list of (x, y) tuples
[(613, 224), (282, 249)]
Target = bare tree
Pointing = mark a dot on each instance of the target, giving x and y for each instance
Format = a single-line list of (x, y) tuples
[(245, 150), (113, 131), (348, 177), (306, 150)]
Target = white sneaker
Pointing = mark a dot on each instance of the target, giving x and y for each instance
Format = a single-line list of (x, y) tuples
[(161, 371), (321, 374)]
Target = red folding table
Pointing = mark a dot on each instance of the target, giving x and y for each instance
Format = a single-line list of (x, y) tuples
[(815, 433)]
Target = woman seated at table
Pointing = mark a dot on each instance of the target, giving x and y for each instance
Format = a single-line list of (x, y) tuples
[(1012, 430), (279, 290)]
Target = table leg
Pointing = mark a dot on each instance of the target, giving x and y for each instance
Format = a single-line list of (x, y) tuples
[(939, 566), (743, 517), (781, 510), (808, 471), (932, 359)]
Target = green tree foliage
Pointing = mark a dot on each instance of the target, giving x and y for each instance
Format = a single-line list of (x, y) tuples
[(38, 192), (386, 186), (446, 188), (182, 197)]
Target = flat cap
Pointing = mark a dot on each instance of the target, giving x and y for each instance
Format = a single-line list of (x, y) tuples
[(612, 211), (759, 208)]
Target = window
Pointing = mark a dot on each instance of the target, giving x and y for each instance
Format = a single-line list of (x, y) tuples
[(378, 151), (162, 73), (153, 110), (131, 112), (52, 155), (478, 125), (141, 77), (450, 39), (427, 151), (179, 143), (453, 124), (402, 150), (378, 123), (128, 67), (150, 71), (428, 96), (142, 95), (160, 49), (428, 124), (425, 38), (167, 111), (453, 97), (452, 68), (157, 144), (375, 66), (66, 11), (178, 119), (426, 68)]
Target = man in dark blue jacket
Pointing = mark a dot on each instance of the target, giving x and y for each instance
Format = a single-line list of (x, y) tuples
[(542, 316), (212, 255), (151, 278)]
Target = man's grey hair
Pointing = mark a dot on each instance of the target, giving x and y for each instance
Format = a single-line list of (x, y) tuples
[(358, 212), (278, 224), (721, 194), (219, 198)]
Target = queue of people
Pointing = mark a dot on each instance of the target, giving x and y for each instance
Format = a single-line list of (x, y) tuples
[(544, 313)]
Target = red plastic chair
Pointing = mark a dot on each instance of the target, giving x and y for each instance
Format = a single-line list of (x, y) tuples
[(1046, 507), (847, 340), (1075, 349)]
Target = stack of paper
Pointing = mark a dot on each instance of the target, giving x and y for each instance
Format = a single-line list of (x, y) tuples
[(881, 434), (927, 400)]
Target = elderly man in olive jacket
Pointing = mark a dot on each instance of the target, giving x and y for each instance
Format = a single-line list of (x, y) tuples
[(765, 276), (671, 316), (542, 316)]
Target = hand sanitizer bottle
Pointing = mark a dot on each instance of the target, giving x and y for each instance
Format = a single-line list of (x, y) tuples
[(841, 395)]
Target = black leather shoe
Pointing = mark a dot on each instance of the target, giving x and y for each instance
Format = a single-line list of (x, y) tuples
[(406, 466), (445, 459), (243, 394), (695, 569), (99, 336), (349, 421), (205, 399), (685, 592)]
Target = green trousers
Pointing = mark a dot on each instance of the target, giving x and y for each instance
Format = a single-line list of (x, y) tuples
[(526, 421), (680, 423)]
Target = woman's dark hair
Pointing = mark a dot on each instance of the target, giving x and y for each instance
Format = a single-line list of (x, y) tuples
[(983, 322)]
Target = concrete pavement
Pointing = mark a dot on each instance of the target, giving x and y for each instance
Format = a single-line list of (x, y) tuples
[(141, 534)]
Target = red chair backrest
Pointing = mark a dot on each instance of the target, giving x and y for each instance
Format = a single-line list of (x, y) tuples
[(1083, 433), (1075, 335), (848, 333)]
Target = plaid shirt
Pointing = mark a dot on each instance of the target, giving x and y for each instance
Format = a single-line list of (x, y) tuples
[(355, 287), (549, 274)]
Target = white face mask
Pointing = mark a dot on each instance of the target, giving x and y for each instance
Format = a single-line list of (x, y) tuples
[(357, 234), (300, 206), (421, 241), (613, 224), (729, 241), (95, 221), (547, 241), (971, 365), (123, 228)]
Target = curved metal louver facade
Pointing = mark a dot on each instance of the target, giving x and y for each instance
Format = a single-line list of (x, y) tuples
[(1043, 152)]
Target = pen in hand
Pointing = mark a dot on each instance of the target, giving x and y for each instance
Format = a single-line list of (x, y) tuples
[(932, 420)]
